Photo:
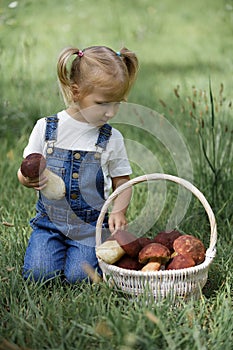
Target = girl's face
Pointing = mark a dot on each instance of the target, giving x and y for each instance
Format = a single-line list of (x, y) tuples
[(97, 108)]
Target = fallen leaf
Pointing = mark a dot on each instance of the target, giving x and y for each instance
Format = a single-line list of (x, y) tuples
[(8, 224), (152, 317), (6, 345), (103, 329), (10, 155), (93, 274), (9, 269)]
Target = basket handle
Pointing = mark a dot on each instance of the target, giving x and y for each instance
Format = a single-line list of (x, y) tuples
[(159, 176)]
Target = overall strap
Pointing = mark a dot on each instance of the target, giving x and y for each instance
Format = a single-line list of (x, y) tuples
[(51, 132), (104, 135), (51, 128)]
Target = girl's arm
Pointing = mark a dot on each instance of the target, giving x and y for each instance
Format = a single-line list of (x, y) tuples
[(117, 219)]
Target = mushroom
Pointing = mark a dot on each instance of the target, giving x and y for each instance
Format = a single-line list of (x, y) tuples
[(127, 262), (167, 238), (188, 244), (154, 255), (33, 166), (143, 241), (180, 262), (109, 251), (128, 242), (120, 243)]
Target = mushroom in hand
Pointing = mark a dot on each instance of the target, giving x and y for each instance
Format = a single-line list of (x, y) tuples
[(154, 255), (33, 166), (187, 244)]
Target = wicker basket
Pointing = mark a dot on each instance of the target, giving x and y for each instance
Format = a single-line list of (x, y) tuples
[(171, 284)]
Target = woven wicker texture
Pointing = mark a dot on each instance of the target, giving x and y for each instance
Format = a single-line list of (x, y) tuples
[(184, 283)]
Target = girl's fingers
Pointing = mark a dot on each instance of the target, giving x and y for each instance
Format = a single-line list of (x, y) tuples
[(39, 188), (117, 225), (38, 184)]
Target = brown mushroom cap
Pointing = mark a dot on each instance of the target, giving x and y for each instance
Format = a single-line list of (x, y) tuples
[(180, 262), (155, 251), (187, 244), (127, 262), (33, 165), (167, 238), (128, 242), (143, 241)]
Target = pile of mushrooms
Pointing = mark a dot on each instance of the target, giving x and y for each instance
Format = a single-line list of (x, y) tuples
[(166, 251), (33, 166)]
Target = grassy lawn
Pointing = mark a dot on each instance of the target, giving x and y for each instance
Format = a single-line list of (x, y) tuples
[(185, 53)]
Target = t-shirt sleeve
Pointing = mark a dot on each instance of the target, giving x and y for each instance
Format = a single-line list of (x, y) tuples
[(118, 161), (36, 140)]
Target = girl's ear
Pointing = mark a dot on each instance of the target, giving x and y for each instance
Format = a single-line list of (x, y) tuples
[(75, 91)]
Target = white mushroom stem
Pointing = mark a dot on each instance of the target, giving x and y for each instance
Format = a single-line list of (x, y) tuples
[(151, 266), (110, 251), (55, 187)]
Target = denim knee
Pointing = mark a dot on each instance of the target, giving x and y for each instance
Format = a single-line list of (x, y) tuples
[(75, 276), (44, 257), (77, 256), (37, 274), (79, 274)]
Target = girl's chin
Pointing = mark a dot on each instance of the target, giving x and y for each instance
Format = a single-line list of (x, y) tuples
[(99, 123)]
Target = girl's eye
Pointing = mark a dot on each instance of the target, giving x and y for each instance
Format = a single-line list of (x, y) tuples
[(102, 103), (108, 103)]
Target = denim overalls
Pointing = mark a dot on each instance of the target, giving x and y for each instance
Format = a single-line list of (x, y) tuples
[(63, 234)]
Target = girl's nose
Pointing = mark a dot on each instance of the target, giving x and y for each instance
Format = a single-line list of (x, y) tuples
[(109, 114), (111, 110)]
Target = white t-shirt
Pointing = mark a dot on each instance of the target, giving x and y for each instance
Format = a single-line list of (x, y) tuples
[(75, 135)]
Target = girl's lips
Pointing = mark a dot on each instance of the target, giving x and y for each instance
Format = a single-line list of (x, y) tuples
[(104, 120)]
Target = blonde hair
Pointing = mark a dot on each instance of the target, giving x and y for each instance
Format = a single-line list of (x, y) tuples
[(96, 66)]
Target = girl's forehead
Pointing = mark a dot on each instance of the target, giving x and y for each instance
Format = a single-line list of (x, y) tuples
[(107, 94)]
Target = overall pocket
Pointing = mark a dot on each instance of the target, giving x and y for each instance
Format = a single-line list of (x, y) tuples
[(60, 171)]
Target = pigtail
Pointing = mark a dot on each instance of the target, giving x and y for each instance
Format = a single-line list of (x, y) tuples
[(64, 74), (131, 62)]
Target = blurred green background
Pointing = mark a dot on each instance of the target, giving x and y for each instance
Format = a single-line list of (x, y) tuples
[(177, 42)]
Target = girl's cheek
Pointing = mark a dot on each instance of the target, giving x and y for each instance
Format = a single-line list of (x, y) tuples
[(94, 115)]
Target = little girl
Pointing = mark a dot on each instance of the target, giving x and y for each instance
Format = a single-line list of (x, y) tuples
[(88, 154)]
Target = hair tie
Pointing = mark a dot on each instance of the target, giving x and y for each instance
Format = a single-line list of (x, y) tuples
[(118, 53), (80, 53)]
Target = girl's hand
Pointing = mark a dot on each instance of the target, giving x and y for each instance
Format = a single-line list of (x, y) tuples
[(36, 183), (117, 221)]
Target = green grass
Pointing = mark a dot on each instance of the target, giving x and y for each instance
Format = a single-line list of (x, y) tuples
[(183, 44)]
